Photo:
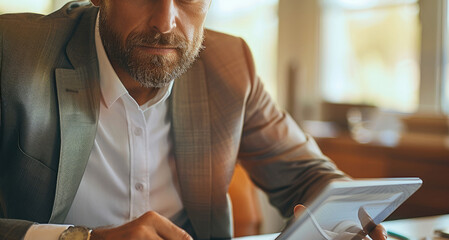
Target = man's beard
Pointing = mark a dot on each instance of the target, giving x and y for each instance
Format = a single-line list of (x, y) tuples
[(155, 71)]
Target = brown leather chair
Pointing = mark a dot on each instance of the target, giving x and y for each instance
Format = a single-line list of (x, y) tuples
[(245, 204)]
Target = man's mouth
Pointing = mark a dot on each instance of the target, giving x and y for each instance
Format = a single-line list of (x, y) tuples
[(158, 50)]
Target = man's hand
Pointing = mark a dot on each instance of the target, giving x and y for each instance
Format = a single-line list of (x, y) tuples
[(379, 233), (148, 226)]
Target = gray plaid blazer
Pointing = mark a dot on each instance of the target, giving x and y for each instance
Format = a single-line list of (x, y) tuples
[(49, 112)]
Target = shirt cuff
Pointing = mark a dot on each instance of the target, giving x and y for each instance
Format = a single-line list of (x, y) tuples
[(45, 231)]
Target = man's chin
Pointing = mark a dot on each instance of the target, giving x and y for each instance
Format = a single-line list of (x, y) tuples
[(154, 83), (151, 76), (169, 58)]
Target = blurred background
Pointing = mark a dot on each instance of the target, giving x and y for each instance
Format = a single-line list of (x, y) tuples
[(367, 78)]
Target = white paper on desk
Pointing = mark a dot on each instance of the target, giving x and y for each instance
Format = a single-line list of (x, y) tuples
[(259, 237)]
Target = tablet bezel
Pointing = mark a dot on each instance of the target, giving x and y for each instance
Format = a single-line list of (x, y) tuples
[(406, 186)]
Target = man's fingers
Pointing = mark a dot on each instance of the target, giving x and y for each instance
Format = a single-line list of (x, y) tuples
[(165, 228), (150, 225), (379, 233), (299, 209), (174, 232)]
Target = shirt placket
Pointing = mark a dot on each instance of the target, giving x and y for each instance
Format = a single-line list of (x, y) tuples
[(139, 179)]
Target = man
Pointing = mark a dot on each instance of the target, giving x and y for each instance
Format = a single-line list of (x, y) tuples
[(111, 115)]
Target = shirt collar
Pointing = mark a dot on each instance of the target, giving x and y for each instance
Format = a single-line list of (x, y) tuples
[(110, 84)]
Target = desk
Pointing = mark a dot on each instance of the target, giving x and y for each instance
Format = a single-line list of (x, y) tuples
[(418, 228), (260, 237), (413, 228)]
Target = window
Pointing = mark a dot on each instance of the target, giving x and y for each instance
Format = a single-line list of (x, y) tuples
[(371, 53), (256, 21), (37, 6), (445, 87), (392, 54), (34, 6)]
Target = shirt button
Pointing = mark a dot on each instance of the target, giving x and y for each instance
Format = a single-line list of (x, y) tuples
[(139, 187), (138, 131)]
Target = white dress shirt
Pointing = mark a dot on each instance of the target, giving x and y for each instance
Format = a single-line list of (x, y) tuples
[(131, 168)]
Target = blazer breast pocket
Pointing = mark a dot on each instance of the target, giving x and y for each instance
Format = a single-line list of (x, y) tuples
[(21, 154)]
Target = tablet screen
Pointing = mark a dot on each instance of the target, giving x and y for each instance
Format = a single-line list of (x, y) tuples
[(350, 209)]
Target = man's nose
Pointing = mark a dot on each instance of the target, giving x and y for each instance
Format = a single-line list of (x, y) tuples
[(163, 17)]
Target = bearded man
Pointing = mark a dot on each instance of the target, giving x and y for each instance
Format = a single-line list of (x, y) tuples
[(127, 117)]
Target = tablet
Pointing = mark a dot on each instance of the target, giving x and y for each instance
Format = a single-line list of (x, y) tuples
[(349, 209)]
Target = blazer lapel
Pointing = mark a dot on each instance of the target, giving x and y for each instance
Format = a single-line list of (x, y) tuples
[(192, 138), (79, 97)]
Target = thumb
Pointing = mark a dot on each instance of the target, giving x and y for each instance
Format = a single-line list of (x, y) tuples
[(299, 209)]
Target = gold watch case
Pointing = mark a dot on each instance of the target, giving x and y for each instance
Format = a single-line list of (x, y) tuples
[(76, 233)]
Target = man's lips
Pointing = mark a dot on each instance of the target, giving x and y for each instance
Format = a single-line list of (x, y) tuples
[(158, 50)]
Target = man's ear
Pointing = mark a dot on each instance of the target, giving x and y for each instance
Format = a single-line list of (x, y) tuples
[(96, 2)]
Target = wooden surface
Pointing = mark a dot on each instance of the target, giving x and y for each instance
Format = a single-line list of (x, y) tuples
[(426, 157)]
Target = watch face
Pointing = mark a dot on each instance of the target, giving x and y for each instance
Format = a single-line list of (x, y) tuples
[(75, 233)]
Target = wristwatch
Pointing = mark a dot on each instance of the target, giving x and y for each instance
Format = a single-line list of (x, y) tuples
[(76, 233)]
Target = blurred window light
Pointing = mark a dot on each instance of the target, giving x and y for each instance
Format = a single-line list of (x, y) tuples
[(257, 22), (445, 87), (36, 6), (371, 53), (226, 7), (364, 4), (446, 94)]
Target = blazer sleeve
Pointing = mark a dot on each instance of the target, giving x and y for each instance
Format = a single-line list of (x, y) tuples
[(280, 158), (11, 229), (1, 54)]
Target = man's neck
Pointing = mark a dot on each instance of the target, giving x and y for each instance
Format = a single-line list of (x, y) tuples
[(140, 93)]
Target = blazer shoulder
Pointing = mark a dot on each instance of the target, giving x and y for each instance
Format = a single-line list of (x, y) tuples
[(212, 36), (229, 64), (217, 42), (222, 50)]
